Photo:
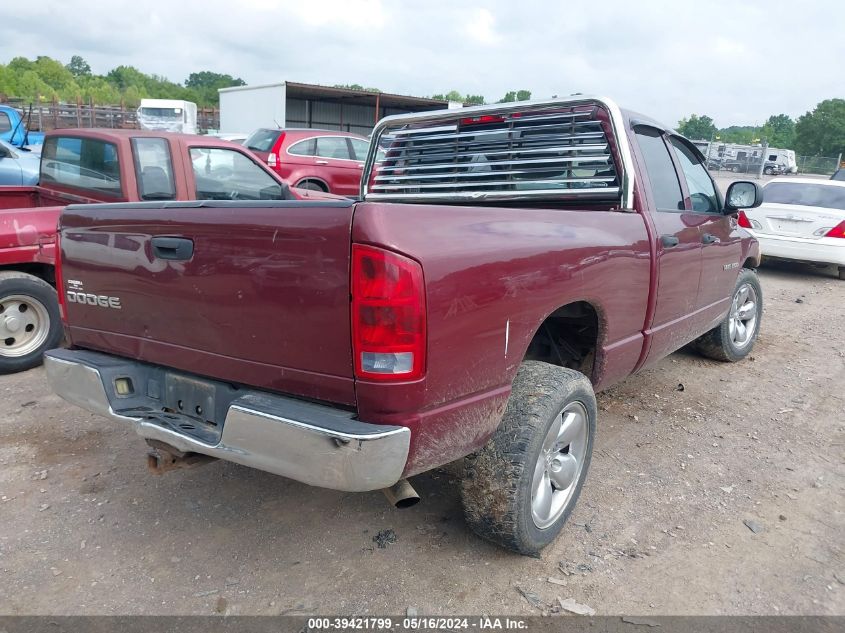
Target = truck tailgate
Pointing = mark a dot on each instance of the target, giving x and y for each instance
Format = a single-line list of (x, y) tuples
[(262, 299)]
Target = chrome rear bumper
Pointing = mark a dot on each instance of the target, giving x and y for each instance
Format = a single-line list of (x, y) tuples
[(315, 444)]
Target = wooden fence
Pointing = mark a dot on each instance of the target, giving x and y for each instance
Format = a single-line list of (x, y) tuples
[(54, 115)]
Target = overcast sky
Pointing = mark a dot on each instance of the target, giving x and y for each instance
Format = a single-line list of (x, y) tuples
[(736, 63)]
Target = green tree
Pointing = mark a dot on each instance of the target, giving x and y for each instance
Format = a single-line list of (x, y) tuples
[(205, 85), (125, 77), (697, 127), (821, 132), (779, 131), (30, 86), (78, 67), (474, 99), (516, 95), (741, 134)]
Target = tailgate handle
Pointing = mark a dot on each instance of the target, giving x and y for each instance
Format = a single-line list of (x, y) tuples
[(178, 248)]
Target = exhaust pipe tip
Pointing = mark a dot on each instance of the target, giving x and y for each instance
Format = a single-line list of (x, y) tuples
[(401, 494)]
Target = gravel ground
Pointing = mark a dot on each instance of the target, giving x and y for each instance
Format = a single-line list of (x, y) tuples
[(714, 489)]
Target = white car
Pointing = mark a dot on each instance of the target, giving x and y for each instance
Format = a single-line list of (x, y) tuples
[(801, 219)]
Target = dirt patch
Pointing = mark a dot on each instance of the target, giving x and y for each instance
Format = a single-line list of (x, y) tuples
[(661, 526)]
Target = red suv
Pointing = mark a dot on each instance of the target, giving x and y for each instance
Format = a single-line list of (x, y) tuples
[(324, 160)]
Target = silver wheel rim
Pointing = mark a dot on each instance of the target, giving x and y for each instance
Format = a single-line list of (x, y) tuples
[(742, 320), (24, 325), (559, 466)]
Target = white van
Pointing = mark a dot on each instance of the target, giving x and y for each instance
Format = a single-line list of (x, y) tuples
[(169, 115)]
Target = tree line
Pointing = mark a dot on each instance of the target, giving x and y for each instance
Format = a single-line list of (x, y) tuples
[(49, 79), (819, 132)]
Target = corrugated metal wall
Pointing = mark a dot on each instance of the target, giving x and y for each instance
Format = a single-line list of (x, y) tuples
[(330, 116)]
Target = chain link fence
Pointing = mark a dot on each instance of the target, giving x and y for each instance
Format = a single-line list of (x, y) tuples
[(822, 165)]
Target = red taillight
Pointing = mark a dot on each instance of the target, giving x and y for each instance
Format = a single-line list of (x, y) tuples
[(743, 220), (837, 231), (388, 315), (60, 286)]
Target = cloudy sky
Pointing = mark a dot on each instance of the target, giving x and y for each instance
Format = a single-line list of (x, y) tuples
[(737, 61)]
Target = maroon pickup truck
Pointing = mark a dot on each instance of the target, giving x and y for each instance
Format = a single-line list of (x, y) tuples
[(503, 262), (100, 166)]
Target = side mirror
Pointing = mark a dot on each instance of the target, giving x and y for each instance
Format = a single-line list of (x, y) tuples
[(743, 195)]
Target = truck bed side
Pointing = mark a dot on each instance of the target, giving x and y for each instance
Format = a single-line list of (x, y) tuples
[(492, 276)]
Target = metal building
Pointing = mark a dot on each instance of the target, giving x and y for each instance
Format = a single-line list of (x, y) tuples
[(288, 104)]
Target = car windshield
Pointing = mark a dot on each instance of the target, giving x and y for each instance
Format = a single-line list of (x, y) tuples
[(822, 195), (839, 175), (262, 140)]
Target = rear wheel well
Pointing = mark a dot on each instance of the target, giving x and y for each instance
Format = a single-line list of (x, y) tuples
[(568, 338), (42, 271), (313, 181)]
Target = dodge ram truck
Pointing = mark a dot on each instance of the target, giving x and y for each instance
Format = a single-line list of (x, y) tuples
[(501, 264), (98, 166)]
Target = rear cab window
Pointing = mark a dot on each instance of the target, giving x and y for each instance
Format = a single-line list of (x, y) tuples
[(226, 174), (262, 140), (153, 169), (87, 164), (5, 122)]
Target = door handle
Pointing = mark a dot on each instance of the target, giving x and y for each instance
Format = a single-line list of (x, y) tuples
[(709, 238), (669, 241), (360, 165), (321, 162), (176, 248)]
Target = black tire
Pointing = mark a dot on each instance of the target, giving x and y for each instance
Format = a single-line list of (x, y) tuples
[(14, 284), (496, 489), (768, 170), (842, 273), (718, 343), (311, 186)]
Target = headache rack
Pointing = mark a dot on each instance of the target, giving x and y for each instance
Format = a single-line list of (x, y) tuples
[(561, 149)]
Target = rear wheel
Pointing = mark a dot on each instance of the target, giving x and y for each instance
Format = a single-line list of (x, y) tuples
[(842, 272), (734, 338), (768, 170), (29, 321), (519, 489)]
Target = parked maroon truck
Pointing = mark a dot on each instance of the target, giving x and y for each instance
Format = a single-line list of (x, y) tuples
[(502, 264), (98, 166)]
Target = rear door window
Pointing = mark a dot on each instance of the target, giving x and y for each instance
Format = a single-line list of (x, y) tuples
[(5, 122), (333, 147), (701, 189), (308, 147), (359, 148), (665, 187), (225, 174), (153, 169), (82, 163)]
